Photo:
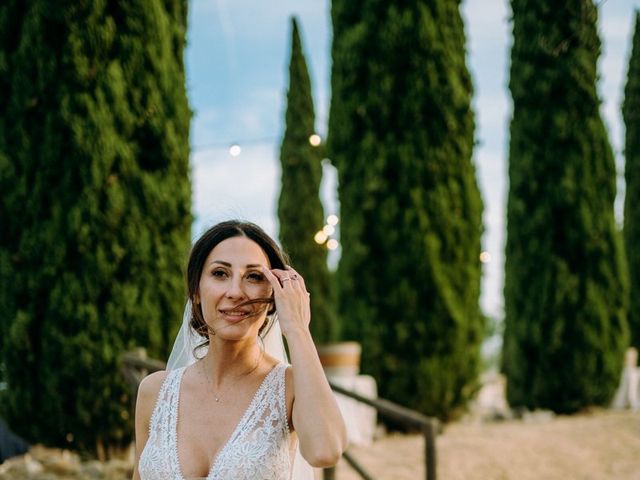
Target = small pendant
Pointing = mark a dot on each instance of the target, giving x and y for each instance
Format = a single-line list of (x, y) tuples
[(217, 399)]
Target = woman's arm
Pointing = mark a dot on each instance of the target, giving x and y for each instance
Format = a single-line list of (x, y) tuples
[(145, 403), (315, 415)]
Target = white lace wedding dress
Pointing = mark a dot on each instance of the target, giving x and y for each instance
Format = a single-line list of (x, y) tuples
[(259, 448)]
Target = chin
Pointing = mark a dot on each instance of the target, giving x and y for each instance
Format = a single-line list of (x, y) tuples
[(237, 330)]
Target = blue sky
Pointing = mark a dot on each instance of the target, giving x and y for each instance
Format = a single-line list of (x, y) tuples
[(237, 59)]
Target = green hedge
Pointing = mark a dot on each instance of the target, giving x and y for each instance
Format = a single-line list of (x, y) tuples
[(401, 135), (631, 115), (299, 208), (95, 208), (565, 283)]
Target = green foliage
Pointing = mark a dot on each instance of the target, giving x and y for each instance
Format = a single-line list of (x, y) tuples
[(401, 135), (95, 207), (299, 207), (631, 115), (566, 284)]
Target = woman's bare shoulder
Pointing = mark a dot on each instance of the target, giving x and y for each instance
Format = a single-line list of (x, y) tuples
[(145, 403), (150, 386)]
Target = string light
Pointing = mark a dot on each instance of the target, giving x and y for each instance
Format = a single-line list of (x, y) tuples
[(485, 257), (235, 150), (225, 145), (315, 140), (324, 235), (329, 230), (320, 237)]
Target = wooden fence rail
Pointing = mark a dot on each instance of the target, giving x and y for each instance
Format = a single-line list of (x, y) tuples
[(407, 418)]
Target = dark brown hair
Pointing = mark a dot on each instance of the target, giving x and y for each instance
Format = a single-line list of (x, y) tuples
[(201, 250)]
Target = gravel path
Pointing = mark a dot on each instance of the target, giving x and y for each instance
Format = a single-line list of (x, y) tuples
[(600, 445)]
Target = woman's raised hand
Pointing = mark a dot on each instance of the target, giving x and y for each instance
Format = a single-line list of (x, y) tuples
[(291, 298)]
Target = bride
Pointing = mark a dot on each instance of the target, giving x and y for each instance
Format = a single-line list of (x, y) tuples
[(228, 406)]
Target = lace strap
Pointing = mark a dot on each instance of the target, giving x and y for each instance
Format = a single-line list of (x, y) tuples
[(162, 401), (282, 395), (173, 398), (170, 387), (275, 392)]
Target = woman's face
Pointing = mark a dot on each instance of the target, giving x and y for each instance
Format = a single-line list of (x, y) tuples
[(231, 276)]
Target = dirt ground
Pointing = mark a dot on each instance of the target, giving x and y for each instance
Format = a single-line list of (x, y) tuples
[(596, 446), (601, 445)]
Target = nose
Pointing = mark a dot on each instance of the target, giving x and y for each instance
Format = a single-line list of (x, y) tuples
[(235, 288)]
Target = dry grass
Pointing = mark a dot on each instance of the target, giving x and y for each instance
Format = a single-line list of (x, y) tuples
[(600, 445)]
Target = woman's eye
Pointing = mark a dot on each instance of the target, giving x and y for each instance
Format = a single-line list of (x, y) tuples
[(219, 273), (255, 277)]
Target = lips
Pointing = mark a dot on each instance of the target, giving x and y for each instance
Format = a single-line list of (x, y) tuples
[(235, 315)]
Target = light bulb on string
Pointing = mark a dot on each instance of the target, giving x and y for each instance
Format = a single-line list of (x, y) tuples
[(320, 237), (234, 150), (315, 140), (332, 220), (332, 244)]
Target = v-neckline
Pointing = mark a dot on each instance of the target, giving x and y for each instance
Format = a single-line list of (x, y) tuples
[(241, 422)]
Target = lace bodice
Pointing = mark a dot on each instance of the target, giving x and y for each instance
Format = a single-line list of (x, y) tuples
[(259, 447)]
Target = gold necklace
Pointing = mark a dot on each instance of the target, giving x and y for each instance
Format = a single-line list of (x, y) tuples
[(250, 371)]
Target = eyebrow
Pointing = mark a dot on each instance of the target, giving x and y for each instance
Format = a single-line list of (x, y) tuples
[(227, 264)]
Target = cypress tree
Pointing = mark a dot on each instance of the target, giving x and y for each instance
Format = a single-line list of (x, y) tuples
[(401, 136), (565, 280), (299, 207), (95, 209), (631, 116)]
